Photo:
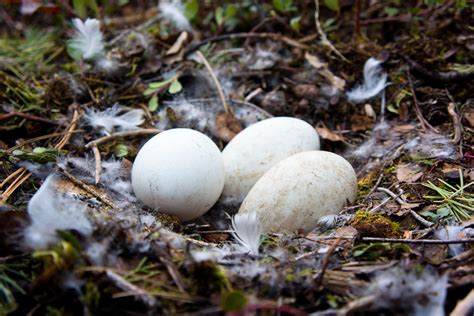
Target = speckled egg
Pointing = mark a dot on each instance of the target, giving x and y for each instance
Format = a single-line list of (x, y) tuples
[(259, 147), (299, 190)]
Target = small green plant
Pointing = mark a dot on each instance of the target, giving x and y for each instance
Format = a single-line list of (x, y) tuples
[(455, 199), (9, 274), (172, 85)]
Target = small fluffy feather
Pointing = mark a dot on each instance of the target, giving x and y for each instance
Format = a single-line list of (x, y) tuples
[(51, 210), (247, 230), (409, 292), (111, 120), (432, 145), (451, 232), (375, 80), (88, 39), (173, 11)]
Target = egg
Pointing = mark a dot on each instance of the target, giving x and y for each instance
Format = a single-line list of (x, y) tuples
[(299, 190), (260, 146), (179, 172)]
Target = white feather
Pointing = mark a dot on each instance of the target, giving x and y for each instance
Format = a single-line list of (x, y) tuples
[(110, 119), (173, 11), (451, 232), (375, 80), (88, 39), (51, 210), (247, 230), (410, 292)]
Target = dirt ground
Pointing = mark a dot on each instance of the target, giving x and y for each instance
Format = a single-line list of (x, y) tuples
[(75, 108)]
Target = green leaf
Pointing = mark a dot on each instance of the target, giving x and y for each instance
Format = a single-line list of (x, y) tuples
[(153, 103), (233, 301), (39, 154), (149, 91), (283, 6), (295, 23), (390, 11), (219, 15), (333, 5), (175, 87), (121, 150), (191, 9)]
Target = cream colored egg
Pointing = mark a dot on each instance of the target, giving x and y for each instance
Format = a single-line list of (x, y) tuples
[(179, 172), (260, 146), (300, 189)]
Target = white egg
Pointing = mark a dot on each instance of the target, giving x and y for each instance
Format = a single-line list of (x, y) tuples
[(260, 146), (300, 189), (179, 172)]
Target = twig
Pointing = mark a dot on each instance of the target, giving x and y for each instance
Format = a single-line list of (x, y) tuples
[(98, 164), (374, 188), (75, 119), (443, 77), (420, 219), (419, 115), (220, 91), (32, 140), (27, 116), (357, 18), (123, 284), (357, 304), (137, 132), (225, 37), (456, 122), (11, 176), (392, 194), (375, 208), (465, 306), (89, 189), (320, 277), (323, 38), (396, 240)]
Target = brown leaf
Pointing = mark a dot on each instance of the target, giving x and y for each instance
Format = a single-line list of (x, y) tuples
[(306, 91), (408, 173), (326, 133), (361, 123), (469, 116), (227, 126)]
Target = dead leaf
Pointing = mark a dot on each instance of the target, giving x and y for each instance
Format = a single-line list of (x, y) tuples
[(369, 111), (409, 173), (469, 116), (326, 133), (325, 72), (361, 123), (178, 44), (227, 126), (306, 91)]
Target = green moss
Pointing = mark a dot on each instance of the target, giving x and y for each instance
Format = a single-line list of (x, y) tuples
[(376, 225)]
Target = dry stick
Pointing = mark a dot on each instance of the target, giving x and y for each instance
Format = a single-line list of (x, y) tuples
[(28, 117), (397, 198), (137, 132), (98, 163), (220, 91), (357, 18), (123, 284), (14, 174), (444, 77), (464, 306), (89, 189), (32, 140), (323, 38), (331, 249), (456, 123), (374, 188), (226, 37), (24, 175), (419, 115), (396, 240)]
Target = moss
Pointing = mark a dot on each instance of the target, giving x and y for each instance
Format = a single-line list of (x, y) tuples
[(365, 184), (376, 225)]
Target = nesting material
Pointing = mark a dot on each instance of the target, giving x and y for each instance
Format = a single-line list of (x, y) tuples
[(179, 172), (299, 190), (259, 147)]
